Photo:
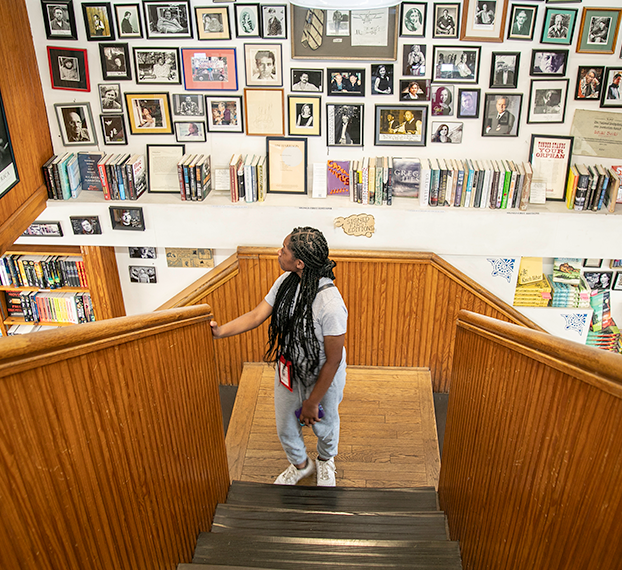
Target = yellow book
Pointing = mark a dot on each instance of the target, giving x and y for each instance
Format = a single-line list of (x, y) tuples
[(571, 187), (530, 270)]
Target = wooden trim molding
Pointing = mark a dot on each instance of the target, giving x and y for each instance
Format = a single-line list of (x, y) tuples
[(15, 225)]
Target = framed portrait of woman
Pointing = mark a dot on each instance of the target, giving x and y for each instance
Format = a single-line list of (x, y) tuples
[(304, 115)]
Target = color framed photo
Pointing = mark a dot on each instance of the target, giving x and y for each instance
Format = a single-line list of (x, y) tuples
[(98, 21), (558, 26), (264, 65), (550, 159), (162, 162), (483, 20), (264, 111), (247, 21), (305, 115), (548, 62), (287, 165), (446, 19), (190, 131), (129, 24), (188, 105), (69, 69), (348, 82), (468, 103), (504, 70), (382, 79), (210, 69), (599, 30), (59, 19), (9, 176), (522, 22), (224, 114), (449, 132), (166, 19), (442, 99), (311, 80), (400, 125), (142, 274), (44, 229), (344, 124), (75, 122), (157, 66), (127, 218), (501, 114), (547, 100), (213, 23), (115, 60), (413, 20), (149, 113), (85, 225), (589, 82), (415, 89), (414, 60), (274, 21), (113, 129), (456, 64), (612, 90)]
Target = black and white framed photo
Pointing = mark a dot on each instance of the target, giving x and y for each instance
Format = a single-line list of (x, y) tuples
[(142, 252), (213, 23), (115, 60), (338, 22), (43, 229), (190, 131), (446, 132), (149, 113), (8, 168), (75, 122), (548, 62), (446, 18), (413, 19), (69, 69), (274, 21), (612, 90), (468, 103), (188, 105), (344, 124), (501, 114), (504, 70), (456, 64), (310, 80), (400, 125), (129, 24), (599, 30), (558, 26), (123, 218), (113, 129), (59, 19), (589, 82), (483, 20), (382, 79), (442, 99), (599, 280), (522, 21), (85, 225), (415, 89), (158, 66), (305, 115), (142, 274), (98, 21), (247, 21), (414, 60), (594, 263), (617, 281), (166, 19), (547, 100), (349, 82), (224, 114), (264, 65)]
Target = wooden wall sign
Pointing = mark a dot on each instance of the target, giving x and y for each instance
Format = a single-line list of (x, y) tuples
[(357, 225)]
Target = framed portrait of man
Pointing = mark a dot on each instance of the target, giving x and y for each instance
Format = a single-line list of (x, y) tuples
[(188, 105), (501, 114), (128, 21), (413, 19), (85, 225), (400, 125), (157, 65), (264, 65), (225, 114), (115, 60), (344, 124), (59, 19), (612, 89), (110, 97), (558, 26), (345, 82), (504, 70), (75, 122), (483, 20), (274, 21), (168, 20), (446, 20), (310, 80), (98, 21), (599, 30), (548, 62), (522, 22), (468, 103), (547, 100), (589, 82)]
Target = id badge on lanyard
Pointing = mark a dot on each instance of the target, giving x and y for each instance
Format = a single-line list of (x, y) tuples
[(285, 372)]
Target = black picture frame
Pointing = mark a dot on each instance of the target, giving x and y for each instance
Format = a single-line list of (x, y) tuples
[(586, 89), (263, 64), (157, 65), (413, 19), (167, 19), (414, 60), (548, 62), (506, 125), (442, 100), (9, 175), (274, 21), (599, 280), (75, 122), (69, 68), (522, 22), (446, 25), (381, 83), (547, 101), (414, 89), (504, 67), (353, 135), (110, 97), (558, 26), (142, 252), (225, 113), (339, 82), (617, 281), (247, 20), (400, 125), (468, 103), (188, 105), (129, 23), (85, 225), (594, 263), (304, 115), (314, 82), (115, 61), (127, 219), (59, 19), (142, 274), (612, 83), (113, 129), (43, 229), (456, 64), (98, 21), (190, 131)]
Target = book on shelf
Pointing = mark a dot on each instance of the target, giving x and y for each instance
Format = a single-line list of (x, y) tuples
[(405, 181), (89, 171), (567, 270), (337, 177)]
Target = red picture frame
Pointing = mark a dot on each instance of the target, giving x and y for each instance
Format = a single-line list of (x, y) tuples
[(69, 68), (212, 69)]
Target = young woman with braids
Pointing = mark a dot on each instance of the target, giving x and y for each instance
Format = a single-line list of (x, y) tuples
[(306, 340)]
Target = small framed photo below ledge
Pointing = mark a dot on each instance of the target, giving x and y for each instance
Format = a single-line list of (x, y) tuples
[(127, 218), (43, 229)]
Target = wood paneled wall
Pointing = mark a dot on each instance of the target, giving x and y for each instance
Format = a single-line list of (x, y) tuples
[(402, 308), (532, 455), (112, 451)]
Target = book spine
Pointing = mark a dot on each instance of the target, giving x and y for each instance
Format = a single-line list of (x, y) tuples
[(180, 179), (582, 189)]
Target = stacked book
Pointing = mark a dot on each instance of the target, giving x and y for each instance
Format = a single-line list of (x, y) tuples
[(61, 174), (534, 294), (194, 173), (248, 177), (42, 271), (567, 270), (49, 307), (603, 331), (571, 296), (593, 188)]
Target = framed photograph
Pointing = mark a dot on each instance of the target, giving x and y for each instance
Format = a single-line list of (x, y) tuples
[(304, 115), (128, 21), (113, 128), (190, 131), (264, 111), (59, 19), (149, 113), (213, 23), (224, 114), (547, 100), (344, 125), (415, 89), (8, 168), (446, 132), (98, 21), (550, 159), (413, 19), (142, 274), (522, 22), (210, 69), (162, 162), (85, 225), (115, 60), (247, 21), (69, 69), (446, 18), (617, 281), (456, 64), (362, 34), (612, 91), (166, 19), (157, 65), (43, 229), (501, 114), (311, 80), (504, 70), (599, 30), (382, 79), (348, 82), (442, 99), (558, 26), (274, 21), (593, 263), (127, 218), (598, 280), (589, 82), (287, 165), (142, 252), (264, 65), (75, 122), (468, 103), (400, 125), (187, 105), (548, 62), (483, 20)]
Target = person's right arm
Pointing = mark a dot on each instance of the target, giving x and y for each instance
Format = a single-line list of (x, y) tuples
[(244, 323)]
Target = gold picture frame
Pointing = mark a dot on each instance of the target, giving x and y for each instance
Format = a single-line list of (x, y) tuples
[(149, 113), (483, 25)]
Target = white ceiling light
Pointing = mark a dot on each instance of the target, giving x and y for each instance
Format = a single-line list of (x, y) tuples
[(345, 4)]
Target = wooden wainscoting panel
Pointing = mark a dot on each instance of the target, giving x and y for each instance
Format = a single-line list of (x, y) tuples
[(104, 283)]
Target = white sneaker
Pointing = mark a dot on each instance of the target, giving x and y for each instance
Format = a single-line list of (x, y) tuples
[(292, 474), (326, 471)]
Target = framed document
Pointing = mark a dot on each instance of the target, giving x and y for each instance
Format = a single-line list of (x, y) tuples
[(287, 165), (550, 159), (264, 110), (162, 162)]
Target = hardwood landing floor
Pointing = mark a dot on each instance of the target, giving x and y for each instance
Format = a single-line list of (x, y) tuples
[(388, 429)]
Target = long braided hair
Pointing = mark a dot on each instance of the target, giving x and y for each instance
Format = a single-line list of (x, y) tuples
[(291, 332)]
